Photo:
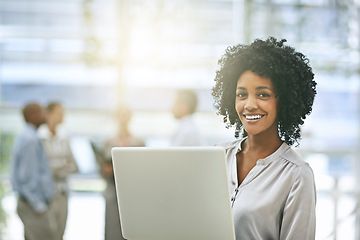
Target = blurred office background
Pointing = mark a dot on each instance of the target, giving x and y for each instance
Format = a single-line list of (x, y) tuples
[(93, 55)]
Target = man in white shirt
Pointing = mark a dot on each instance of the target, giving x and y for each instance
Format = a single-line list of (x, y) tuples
[(187, 134)]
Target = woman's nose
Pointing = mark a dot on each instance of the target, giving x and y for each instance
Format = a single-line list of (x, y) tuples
[(251, 103)]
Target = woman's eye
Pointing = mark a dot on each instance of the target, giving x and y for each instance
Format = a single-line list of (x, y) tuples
[(264, 95), (241, 95)]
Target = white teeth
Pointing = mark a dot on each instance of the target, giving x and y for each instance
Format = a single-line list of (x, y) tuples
[(252, 117)]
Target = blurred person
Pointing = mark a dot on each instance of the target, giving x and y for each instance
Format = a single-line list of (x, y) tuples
[(31, 178), (123, 138), (61, 161), (184, 106), (266, 89)]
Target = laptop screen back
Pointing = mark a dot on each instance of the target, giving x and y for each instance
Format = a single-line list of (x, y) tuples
[(173, 193)]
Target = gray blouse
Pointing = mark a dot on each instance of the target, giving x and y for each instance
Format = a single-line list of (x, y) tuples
[(277, 198)]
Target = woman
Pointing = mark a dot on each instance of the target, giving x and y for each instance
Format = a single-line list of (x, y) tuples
[(266, 90), (124, 138), (62, 162)]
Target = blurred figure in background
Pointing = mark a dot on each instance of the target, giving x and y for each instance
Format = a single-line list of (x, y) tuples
[(184, 107), (124, 138), (31, 178), (61, 161)]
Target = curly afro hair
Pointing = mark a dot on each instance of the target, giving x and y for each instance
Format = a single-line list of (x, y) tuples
[(291, 75)]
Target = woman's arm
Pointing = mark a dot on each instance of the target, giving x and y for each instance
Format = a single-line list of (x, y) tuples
[(298, 220)]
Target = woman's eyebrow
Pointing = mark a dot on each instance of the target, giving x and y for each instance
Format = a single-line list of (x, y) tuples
[(258, 88), (264, 87), (240, 88)]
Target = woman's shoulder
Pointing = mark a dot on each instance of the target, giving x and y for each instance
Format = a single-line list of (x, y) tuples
[(297, 161), (294, 168), (292, 156)]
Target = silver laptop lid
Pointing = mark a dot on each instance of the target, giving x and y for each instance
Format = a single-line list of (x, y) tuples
[(173, 193)]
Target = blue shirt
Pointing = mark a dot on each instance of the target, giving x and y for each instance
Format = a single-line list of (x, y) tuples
[(30, 174)]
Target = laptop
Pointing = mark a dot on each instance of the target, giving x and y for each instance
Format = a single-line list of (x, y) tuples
[(176, 193)]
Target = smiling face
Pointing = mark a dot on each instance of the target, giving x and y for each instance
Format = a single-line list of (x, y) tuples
[(256, 104)]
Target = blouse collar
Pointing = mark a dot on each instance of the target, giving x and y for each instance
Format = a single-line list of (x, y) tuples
[(275, 155)]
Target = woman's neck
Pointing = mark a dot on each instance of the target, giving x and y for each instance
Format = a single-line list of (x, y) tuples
[(262, 145)]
